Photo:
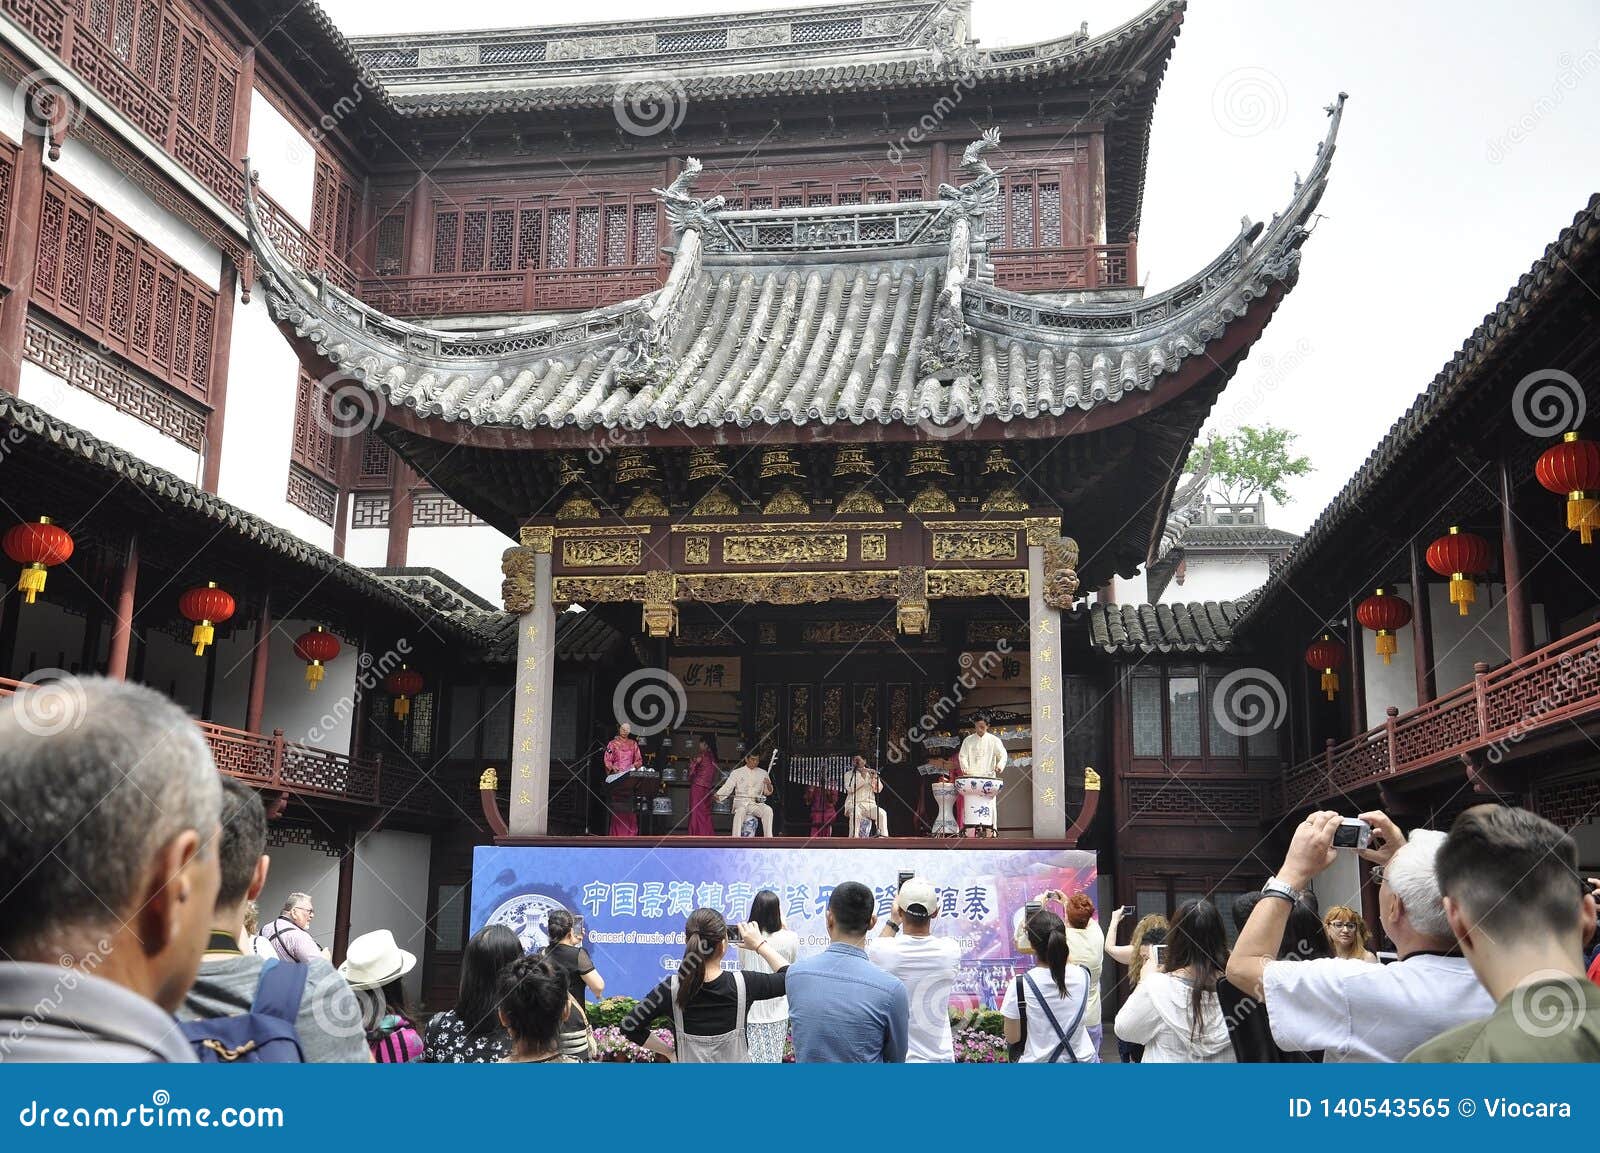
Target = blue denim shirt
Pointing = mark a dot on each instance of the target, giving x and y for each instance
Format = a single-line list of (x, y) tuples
[(842, 1007)]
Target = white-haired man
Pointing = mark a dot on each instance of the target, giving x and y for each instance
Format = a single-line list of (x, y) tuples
[(1354, 1010)]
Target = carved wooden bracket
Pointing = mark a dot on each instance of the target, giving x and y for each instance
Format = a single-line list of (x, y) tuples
[(911, 610), (1091, 805), (660, 617), (516, 590), (491, 804), (1487, 779)]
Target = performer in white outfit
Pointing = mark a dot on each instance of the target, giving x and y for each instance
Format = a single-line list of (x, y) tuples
[(982, 754), (748, 784), (861, 804)]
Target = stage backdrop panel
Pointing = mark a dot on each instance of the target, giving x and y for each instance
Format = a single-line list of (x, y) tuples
[(633, 899)]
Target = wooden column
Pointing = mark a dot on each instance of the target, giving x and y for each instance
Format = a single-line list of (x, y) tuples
[(1358, 674), (1045, 652), (243, 89), (346, 456), (22, 252), (122, 617), (217, 382), (1519, 608), (341, 910), (255, 704), (528, 569), (405, 480), (419, 230), (1421, 626)]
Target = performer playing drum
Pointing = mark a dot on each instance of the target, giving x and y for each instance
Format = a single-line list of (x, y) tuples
[(861, 805), (748, 784), (702, 781), (982, 755), (622, 756)]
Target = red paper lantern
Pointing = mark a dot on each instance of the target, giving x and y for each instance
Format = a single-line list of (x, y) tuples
[(1572, 468), (1385, 614), (403, 684), (207, 607), (316, 648), (1327, 654), (36, 546), (1461, 556)]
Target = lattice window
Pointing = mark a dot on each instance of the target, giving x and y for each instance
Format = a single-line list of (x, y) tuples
[(823, 30), (588, 236), (334, 204), (530, 237), (849, 198), (1050, 215), (708, 40), (878, 196), (502, 241), (8, 168), (313, 445), (474, 236), (444, 241), (528, 53), (616, 234), (792, 201), (819, 199), (644, 233), (389, 254), (558, 253), (1022, 234), (376, 463)]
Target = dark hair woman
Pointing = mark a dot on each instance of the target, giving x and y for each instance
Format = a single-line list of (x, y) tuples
[(1045, 1018), (1174, 1012), (533, 1001), (1248, 1025), (471, 1033), (567, 953), (706, 1002), (768, 1022)]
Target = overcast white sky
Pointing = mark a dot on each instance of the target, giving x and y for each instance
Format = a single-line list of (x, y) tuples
[(1470, 139)]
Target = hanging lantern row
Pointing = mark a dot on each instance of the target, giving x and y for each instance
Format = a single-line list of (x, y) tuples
[(317, 648), (403, 684), (1461, 556), (208, 607), (1327, 655), (1385, 614), (36, 546), (1572, 469)]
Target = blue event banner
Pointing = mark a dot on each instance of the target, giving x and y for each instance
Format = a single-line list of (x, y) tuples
[(633, 898)]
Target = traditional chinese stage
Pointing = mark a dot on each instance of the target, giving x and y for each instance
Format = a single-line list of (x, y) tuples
[(634, 892)]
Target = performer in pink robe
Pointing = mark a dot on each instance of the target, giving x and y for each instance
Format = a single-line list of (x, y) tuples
[(702, 781), (623, 755), (824, 810)]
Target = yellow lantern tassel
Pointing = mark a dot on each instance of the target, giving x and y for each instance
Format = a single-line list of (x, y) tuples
[(402, 707), (314, 675), (30, 583), (1330, 682), (1387, 646), (203, 635), (1463, 592), (1583, 514)]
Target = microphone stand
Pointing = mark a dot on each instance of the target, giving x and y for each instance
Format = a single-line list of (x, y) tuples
[(877, 778)]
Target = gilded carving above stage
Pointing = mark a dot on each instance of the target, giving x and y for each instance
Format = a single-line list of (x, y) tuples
[(648, 504), (602, 552), (1043, 530), (860, 503), (821, 548), (791, 588), (538, 537), (516, 590), (787, 502), (715, 503), (660, 614), (852, 460), (1005, 500), (598, 589), (911, 611), (794, 526), (1060, 572), (981, 544), (697, 550), (874, 546), (578, 508), (931, 500), (978, 582)]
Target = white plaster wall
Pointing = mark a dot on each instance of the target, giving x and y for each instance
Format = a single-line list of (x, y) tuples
[(48, 637), (284, 158), (1459, 641), (367, 547), (105, 184), (391, 892), (10, 111), (297, 868), (1392, 684), (1216, 578), (258, 428), (321, 717), (470, 554), (95, 416), (170, 666)]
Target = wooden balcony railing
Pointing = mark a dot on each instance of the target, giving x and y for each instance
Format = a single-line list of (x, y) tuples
[(1491, 716), (1084, 267), (275, 764), (300, 247), (531, 290)]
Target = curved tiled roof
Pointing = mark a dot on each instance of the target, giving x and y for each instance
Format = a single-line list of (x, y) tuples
[(802, 317), (1197, 627)]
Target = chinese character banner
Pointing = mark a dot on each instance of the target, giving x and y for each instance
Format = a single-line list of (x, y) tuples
[(633, 899)]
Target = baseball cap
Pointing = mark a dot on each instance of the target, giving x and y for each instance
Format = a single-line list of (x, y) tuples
[(919, 897)]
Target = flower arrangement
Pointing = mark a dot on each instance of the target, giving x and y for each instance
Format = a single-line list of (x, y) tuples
[(974, 1046), (988, 1021), (615, 1047), (612, 1011)]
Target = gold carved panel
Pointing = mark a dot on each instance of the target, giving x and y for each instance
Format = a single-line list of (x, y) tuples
[(985, 544), (602, 552), (874, 546), (697, 550), (788, 588), (825, 548), (599, 589), (994, 582)]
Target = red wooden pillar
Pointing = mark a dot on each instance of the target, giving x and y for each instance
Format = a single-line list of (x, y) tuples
[(1519, 610), (1358, 674), (22, 252), (341, 912), (217, 383), (419, 230), (1421, 627), (122, 617), (244, 87), (256, 702), (400, 512)]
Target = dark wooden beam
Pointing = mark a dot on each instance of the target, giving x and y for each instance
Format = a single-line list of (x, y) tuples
[(1421, 624)]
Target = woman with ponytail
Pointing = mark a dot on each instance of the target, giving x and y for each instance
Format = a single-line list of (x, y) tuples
[(1045, 1009), (708, 1005)]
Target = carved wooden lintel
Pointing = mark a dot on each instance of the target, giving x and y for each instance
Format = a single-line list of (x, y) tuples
[(911, 611)]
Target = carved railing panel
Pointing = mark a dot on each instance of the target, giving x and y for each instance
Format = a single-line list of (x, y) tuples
[(1085, 267)]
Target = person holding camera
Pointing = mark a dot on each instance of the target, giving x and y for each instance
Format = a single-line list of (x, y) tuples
[(926, 965), (1175, 1012), (1353, 1010), (1046, 1009)]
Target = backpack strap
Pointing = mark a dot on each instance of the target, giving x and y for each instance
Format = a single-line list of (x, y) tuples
[(1017, 1050), (739, 1006), (1064, 1043), (677, 1011), (280, 990)]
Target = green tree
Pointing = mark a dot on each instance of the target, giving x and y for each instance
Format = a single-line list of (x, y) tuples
[(1251, 461)]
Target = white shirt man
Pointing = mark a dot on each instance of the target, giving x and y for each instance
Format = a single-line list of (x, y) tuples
[(982, 754), (861, 801), (749, 785), (926, 965)]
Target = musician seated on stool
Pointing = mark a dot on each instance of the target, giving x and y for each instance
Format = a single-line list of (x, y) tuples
[(862, 787), (748, 784)]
